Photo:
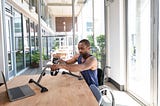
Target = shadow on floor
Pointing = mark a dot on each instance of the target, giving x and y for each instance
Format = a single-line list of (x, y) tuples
[(121, 97)]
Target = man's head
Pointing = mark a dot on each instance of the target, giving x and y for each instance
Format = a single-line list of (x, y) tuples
[(84, 47)]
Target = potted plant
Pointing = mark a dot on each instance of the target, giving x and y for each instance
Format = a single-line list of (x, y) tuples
[(45, 59), (35, 58)]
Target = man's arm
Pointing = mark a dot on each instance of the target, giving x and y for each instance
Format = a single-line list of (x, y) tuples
[(90, 63), (70, 61)]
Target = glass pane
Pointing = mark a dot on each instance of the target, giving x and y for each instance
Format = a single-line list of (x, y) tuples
[(33, 46), (9, 43), (36, 40), (44, 48), (139, 48), (91, 26), (26, 42), (18, 41), (99, 33)]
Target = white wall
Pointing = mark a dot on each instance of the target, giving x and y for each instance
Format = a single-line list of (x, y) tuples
[(116, 37)]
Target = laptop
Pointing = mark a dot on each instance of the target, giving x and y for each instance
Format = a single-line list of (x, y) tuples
[(18, 92)]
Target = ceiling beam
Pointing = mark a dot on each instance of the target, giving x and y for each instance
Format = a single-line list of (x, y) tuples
[(59, 4)]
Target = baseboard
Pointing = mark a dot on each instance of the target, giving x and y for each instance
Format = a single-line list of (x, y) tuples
[(118, 86)]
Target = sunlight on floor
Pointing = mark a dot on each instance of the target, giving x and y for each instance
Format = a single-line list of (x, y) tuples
[(121, 98)]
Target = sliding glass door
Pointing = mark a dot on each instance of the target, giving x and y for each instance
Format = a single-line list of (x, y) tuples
[(18, 37), (138, 50), (9, 46)]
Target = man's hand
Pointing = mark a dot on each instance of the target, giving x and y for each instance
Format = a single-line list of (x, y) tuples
[(54, 67), (61, 61)]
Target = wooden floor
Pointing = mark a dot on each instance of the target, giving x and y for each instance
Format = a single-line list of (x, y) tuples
[(121, 97), (34, 71)]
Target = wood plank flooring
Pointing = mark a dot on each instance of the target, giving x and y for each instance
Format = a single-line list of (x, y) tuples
[(121, 97)]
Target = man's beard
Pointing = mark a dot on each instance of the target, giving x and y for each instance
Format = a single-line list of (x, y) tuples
[(85, 55)]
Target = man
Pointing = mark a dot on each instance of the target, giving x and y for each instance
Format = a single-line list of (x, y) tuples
[(87, 64)]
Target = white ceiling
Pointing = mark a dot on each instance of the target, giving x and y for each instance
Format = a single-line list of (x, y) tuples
[(63, 8)]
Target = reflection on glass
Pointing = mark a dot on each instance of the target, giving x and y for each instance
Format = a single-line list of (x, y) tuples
[(45, 49), (32, 36), (91, 26), (27, 43), (9, 43), (139, 48), (18, 41), (36, 38)]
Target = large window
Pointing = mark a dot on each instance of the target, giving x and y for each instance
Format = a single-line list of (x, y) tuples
[(27, 42), (139, 61), (9, 43), (45, 46), (18, 37)]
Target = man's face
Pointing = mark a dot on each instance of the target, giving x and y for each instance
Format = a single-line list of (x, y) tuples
[(83, 49)]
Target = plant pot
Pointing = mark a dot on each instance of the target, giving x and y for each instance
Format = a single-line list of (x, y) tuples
[(34, 65)]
